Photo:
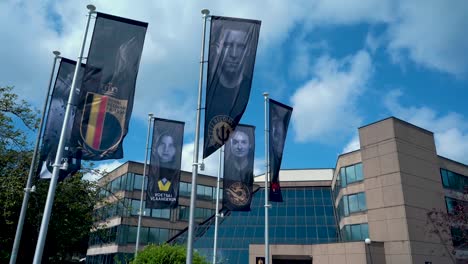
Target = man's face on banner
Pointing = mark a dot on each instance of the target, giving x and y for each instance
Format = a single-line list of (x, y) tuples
[(277, 136), (233, 50), (166, 149), (240, 144)]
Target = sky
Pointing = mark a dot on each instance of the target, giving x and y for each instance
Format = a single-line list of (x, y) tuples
[(339, 64)]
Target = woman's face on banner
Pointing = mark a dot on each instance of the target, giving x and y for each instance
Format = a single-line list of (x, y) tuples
[(240, 144), (166, 149)]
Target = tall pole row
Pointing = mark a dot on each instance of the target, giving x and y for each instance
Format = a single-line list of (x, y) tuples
[(28, 190), (267, 205), (217, 215), (140, 212), (195, 163), (58, 158)]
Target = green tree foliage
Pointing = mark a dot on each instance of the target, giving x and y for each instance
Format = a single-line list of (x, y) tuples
[(72, 215), (166, 254)]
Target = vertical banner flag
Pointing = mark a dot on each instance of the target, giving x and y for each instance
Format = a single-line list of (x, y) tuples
[(106, 96), (280, 115), (238, 169), (54, 121), (231, 60), (164, 169)]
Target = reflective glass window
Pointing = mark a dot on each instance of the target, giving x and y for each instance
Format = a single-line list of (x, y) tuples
[(137, 182), (350, 174)]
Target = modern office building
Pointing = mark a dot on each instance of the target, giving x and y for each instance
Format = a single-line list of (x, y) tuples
[(382, 192), (121, 190)]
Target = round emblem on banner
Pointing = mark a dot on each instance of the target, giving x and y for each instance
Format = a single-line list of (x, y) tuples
[(219, 129), (238, 194)]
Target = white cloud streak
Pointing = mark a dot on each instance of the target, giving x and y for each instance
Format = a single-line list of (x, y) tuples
[(327, 104), (450, 130)]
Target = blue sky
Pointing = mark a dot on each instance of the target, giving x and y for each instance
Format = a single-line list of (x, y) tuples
[(340, 64)]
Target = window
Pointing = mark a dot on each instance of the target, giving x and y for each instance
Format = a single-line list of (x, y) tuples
[(185, 189), (351, 204), (137, 182), (184, 213), (346, 176), (355, 232), (454, 181)]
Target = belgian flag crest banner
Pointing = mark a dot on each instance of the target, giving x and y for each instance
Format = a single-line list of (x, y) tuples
[(106, 95)]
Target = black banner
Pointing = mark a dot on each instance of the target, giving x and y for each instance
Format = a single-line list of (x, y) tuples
[(53, 124), (280, 115), (231, 60), (164, 169), (106, 96), (238, 169)]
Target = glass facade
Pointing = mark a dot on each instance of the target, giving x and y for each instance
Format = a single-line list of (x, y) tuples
[(454, 181), (125, 234), (305, 217), (346, 176)]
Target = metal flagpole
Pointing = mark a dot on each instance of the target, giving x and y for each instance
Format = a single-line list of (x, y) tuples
[(195, 163), (220, 171), (28, 190), (140, 213), (267, 205), (58, 158)]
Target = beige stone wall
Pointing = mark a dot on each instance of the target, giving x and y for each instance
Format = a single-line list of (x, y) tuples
[(334, 253), (402, 182)]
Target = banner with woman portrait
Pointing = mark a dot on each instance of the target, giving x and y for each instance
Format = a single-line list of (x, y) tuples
[(238, 169), (165, 160), (231, 60)]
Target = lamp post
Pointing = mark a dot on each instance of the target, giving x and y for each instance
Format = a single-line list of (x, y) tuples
[(368, 242)]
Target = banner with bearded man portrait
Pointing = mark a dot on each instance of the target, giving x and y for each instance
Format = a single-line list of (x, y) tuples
[(231, 60)]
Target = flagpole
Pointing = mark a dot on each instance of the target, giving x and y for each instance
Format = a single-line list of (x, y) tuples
[(267, 205), (58, 158), (220, 171), (195, 163), (28, 190), (150, 118)]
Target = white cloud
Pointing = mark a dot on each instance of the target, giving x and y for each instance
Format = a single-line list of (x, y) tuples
[(432, 33), (102, 168), (211, 163), (326, 104), (450, 130), (352, 145)]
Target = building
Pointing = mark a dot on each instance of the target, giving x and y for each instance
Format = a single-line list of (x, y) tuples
[(383, 193), (121, 190)]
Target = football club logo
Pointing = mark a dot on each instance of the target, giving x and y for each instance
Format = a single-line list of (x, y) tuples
[(238, 194), (219, 130), (102, 123)]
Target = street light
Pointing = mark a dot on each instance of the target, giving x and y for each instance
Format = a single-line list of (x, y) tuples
[(367, 241)]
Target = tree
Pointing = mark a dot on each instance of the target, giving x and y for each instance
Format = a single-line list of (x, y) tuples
[(72, 213), (451, 226), (166, 254)]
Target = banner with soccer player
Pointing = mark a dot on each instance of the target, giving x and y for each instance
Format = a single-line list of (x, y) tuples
[(165, 160), (231, 60)]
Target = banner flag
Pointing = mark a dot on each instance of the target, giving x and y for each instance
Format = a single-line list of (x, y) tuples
[(165, 160), (231, 60), (106, 96), (238, 169), (280, 115), (53, 124)]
